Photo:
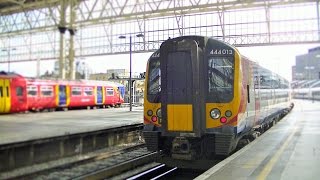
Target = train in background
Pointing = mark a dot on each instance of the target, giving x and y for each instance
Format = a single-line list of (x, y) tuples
[(306, 89), (203, 98), (19, 94)]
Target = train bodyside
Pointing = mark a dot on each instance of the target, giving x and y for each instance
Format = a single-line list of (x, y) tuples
[(312, 93), (205, 101), (41, 94), (113, 96), (19, 94), (92, 94), (315, 94), (83, 94), (13, 97), (272, 94), (120, 92)]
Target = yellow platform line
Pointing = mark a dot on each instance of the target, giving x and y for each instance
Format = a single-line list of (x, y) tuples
[(268, 167)]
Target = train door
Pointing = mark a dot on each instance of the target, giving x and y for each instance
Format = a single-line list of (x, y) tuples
[(118, 94), (2, 96), (178, 84), (62, 95), (99, 95), (19, 103), (249, 83)]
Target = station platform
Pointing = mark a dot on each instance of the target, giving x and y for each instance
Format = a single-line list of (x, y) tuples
[(289, 150), (16, 128)]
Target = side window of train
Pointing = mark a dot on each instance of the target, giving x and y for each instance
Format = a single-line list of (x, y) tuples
[(19, 91), (264, 84), (32, 90), (88, 91), (46, 91), (109, 91), (256, 81), (76, 91)]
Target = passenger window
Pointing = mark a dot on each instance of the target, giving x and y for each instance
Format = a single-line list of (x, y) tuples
[(46, 91), (19, 91), (88, 91), (32, 91), (109, 92), (76, 91)]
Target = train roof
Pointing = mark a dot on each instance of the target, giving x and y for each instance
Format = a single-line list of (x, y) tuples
[(8, 75), (32, 80), (212, 44), (73, 82), (203, 41)]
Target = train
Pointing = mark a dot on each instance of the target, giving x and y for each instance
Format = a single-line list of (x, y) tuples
[(21, 94), (203, 99), (307, 89)]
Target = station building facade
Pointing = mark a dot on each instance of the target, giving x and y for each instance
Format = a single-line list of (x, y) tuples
[(307, 65)]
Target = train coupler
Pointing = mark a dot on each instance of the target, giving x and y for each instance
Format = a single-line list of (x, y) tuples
[(181, 149)]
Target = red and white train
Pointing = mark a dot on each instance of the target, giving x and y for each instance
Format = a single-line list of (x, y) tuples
[(19, 94)]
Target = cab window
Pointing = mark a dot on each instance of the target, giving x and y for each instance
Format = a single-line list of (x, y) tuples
[(19, 91), (154, 80), (220, 79)]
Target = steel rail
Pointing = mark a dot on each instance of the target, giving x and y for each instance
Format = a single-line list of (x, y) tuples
[(119, 168)]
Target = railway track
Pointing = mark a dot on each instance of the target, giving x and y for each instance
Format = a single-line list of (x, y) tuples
[(157, 172), (102, 166), (131, 163)]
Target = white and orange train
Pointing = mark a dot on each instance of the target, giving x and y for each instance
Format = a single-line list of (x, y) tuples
[(202, 97), (19, 94)]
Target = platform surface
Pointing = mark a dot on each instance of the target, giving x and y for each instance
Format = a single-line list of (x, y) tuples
[(23, 127), (290, 150)]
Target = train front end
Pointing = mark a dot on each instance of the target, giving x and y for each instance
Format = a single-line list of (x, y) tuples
[(191, 98)]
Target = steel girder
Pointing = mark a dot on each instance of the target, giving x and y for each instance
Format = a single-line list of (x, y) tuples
[(32, 28)]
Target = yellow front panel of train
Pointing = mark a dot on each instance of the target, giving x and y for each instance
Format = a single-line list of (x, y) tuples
[(180, 117), (5, 100)]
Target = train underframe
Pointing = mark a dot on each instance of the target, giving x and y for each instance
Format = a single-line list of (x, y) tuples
[(191, 148)]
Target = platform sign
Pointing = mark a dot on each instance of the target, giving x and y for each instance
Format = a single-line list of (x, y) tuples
[(62, 95), (99, 95)]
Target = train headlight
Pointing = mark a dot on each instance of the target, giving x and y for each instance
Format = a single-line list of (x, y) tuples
[(215, 113), (228, 113), (159, 113), (149, 112)]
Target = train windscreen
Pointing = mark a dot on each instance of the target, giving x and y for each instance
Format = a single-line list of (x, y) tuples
[(220, 79), (154, 81)]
